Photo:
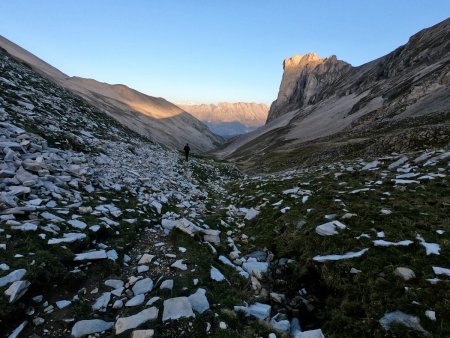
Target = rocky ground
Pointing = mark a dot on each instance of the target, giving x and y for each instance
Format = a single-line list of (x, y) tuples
[(103, 233)]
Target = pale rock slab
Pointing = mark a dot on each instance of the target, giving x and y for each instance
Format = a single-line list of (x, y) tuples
[(18, 330), (92, 255), (216, 275), (146, 259), (143, 333), (330, 228), (17, 290), (114, 283), (179, 265), (87, 327), (348, 255), (198, 301), (142, 286), (404, 273), (136, 300), (102, 302), (175, 308), (13, 276), (167, 284), (127, 323), (399, 317)]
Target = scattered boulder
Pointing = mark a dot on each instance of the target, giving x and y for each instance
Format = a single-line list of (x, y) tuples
[(175, 308)]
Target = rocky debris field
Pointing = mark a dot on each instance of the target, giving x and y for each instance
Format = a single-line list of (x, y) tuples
[(103, 233)]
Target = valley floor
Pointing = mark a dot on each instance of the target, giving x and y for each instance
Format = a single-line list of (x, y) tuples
[(148, 245)]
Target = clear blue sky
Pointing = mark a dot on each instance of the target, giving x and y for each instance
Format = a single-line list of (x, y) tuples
[(208, 50)]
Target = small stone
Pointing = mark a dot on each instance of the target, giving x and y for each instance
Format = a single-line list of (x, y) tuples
[(63, 303), (404, 273), (102, 302), (152, 300), (136, 300), (114, 283), (430, 314), (216, 275), (118, 304), (167, 284), (175, 308), (38, 321), (179, 265), (143, 286), (86, 327), (146, 259), (142, 268), (18, 330), (127, 323), (198, 301), (17, 290), (143, 334)]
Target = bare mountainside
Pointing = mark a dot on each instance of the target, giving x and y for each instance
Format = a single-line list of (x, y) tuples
[(230, 119), (153, 117), (327, 109)]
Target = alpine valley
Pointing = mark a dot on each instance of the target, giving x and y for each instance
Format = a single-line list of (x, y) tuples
[(329, 218)]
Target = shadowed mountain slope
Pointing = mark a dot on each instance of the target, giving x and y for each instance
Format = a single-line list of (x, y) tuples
[(155, 118)]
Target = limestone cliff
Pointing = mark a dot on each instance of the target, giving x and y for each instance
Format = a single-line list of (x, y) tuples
[(304, 80), (327, 109)]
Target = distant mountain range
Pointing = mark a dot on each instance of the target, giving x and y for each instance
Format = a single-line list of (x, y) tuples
[(327, 109), (153, 117), (229, 119)]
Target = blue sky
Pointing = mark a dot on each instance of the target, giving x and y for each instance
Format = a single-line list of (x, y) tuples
[(208, 51)]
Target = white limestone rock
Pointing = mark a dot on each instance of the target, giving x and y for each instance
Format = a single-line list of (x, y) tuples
[(143, 333), (330, 228), (61, 304), (399, 317), (198, 301), (86, 327), (136, 300), (77, 224), (128, 323), (13, 276), (179, 265), (102, 302), (17, 290), (18, 330), (175, 308), (114, 283), (143, 286), (216, 275), (92, 255), (167, 284), (146, 259)]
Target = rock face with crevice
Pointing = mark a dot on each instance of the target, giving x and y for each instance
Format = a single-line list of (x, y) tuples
[(305, 77)]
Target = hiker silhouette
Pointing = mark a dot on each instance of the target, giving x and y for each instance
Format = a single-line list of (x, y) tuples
[(187, 149)]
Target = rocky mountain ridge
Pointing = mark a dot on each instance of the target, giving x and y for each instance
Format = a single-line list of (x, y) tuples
[(327, 108), (152, 117), (230, 119)]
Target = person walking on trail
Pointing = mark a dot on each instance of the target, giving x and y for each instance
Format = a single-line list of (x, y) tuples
[(187, 149)]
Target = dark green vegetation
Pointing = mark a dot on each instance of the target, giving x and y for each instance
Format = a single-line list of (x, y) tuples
[(351, 304)]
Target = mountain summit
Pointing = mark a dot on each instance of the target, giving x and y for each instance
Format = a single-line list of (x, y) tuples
[(304, 79)]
